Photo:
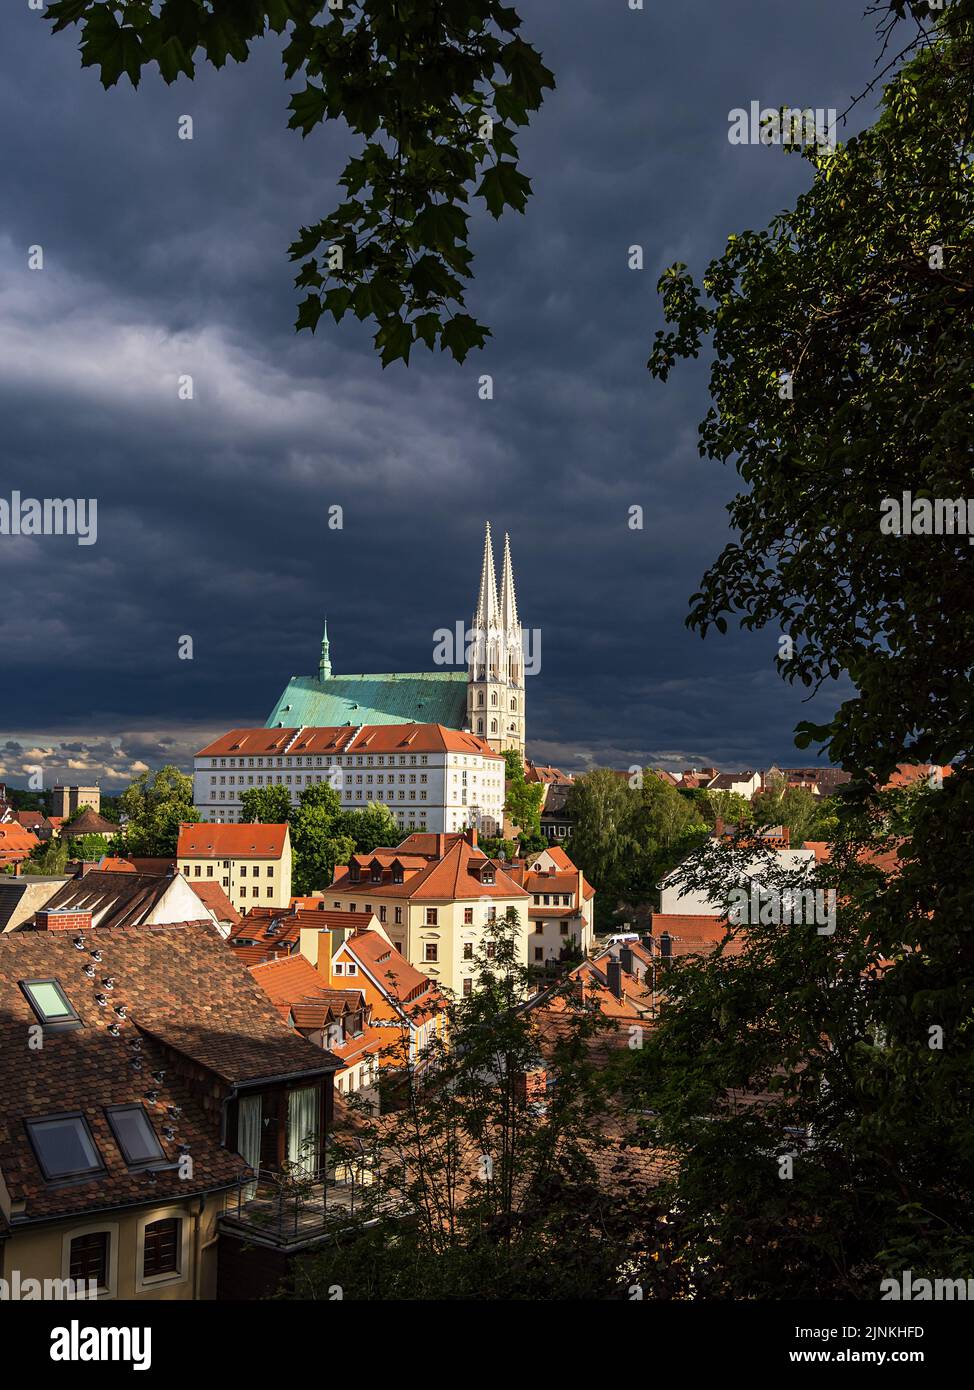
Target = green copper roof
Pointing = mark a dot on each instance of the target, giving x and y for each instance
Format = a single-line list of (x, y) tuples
[(420, 697)]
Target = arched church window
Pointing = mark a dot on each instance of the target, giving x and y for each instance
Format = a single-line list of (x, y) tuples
[(493, 726), (493, 697), (513, 703), (480, 726), (480, 698)]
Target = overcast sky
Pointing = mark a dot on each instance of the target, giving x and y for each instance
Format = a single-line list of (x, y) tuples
[(164, 256)]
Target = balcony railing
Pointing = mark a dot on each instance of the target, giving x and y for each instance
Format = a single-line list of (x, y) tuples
[(287, 1209)]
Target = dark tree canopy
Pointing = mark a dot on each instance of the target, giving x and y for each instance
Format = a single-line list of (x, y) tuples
[(843, 355), (816, 1087), (435, 89)]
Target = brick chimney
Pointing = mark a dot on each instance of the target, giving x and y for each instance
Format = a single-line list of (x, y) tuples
[(64, 919), (440, 845), (471, 836)]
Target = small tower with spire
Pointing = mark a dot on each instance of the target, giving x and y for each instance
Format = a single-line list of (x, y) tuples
[(495, 675), (324, 665)]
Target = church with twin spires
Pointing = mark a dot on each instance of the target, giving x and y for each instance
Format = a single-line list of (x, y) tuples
[(487, 698)]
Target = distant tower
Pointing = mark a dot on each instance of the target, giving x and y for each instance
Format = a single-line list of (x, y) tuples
[(495, 677), (324, 665)]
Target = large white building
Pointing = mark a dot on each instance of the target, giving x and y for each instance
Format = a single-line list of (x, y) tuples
[(431, 778), (488, 698)]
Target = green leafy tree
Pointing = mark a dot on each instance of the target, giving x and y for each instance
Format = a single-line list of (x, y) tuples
[(495, 845), (854, 1045), (522, 799), (730, 807), (268, 805), (89, 847), (434, 91), (154, 806), (627, 832), (796, 808), (662, 828), (599, 804), (371, 827), (49, 857), (318, 840)]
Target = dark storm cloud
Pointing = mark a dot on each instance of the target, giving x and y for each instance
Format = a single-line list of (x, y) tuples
[(165, 257)]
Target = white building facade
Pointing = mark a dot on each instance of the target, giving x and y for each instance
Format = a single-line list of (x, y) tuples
[(430, 777)]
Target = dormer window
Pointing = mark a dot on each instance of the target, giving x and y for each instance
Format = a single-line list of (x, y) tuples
[(397, 873), (376, 873), (487, 874), (354, 873), (50, 1004)]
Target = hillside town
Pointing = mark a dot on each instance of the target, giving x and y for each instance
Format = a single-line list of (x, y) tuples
[(229, 995)]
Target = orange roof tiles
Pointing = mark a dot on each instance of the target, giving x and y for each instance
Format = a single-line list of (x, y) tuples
[(211, 895), (399, 981), (251, 840), (455, 876), (112, 865), (284, 981), (336, 739), (15, 842)]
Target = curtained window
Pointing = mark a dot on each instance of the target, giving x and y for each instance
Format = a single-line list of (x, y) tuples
[(302, 1128), (248, 1136)]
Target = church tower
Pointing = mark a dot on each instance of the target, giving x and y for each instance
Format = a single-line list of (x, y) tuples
[(495, 675)]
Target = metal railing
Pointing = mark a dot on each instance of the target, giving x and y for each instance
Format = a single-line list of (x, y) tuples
[(287, 1207)]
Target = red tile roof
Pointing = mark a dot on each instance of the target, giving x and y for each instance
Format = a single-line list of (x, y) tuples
[(401, 983), (183, 992), (344, 738), (695, 934), (287, 980), (15, 842), (212, 896), (454, 876), (251, 840)]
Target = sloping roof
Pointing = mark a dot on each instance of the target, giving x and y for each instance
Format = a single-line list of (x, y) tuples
[(288, 980), (555, 801), (182, 989), (724, 781), (251, 840), (547, 775), (449, 878), (113, 899), (32, 820), (15, 840), (423, 697), (331, 740), (151, 863), (212, 896), (696, 933), (12, 891), (112, 864), (89, 823), (399, 981)]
